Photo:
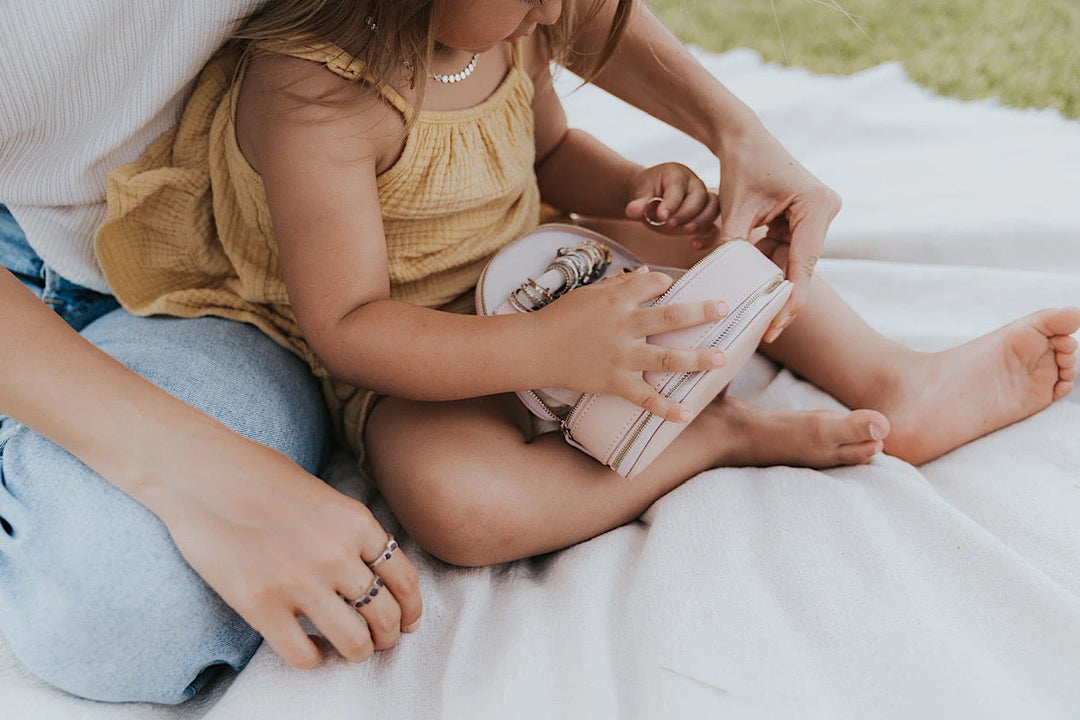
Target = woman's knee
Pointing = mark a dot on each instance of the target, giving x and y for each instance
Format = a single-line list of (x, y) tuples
[(96, 598), (229, 370)]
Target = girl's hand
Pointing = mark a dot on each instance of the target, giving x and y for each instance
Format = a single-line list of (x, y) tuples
[(596, 336), (671, 199), (277, 543)]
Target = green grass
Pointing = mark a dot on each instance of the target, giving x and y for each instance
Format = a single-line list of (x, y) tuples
[(1025, 53)]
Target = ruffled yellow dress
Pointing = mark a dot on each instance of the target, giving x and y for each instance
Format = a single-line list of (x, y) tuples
[(189, 234)]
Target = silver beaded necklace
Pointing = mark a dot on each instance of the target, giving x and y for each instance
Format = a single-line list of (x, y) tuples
[(445, 78), (459, 75)]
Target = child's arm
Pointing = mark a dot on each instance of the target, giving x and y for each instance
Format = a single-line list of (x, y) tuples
[(578, 173), (318, 162)]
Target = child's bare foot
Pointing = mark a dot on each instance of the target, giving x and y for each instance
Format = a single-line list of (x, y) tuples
[(943, 400), (752, 435)]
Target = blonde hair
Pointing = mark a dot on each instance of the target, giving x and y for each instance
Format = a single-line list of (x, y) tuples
[(394, 36)]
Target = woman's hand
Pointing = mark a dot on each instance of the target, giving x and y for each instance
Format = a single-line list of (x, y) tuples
[(596, 337), (277, 543), (761, 184), (670, 198)]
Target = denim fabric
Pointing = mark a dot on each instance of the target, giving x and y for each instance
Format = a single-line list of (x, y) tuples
[(76, 304), (94, 596)]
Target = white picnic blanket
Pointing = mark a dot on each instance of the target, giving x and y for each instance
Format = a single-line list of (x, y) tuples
[(951, 590)]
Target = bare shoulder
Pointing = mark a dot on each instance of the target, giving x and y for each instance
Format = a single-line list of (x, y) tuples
[(288, 97)]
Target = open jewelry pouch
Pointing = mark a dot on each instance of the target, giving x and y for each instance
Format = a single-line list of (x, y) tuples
[(554, 259)]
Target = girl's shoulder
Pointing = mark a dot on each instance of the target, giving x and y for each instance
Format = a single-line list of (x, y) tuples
[(279, 92)]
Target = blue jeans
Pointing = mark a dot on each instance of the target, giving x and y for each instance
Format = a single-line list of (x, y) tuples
[(94, 596)]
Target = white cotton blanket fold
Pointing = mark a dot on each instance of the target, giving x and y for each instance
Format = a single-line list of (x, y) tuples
[(950, 590)]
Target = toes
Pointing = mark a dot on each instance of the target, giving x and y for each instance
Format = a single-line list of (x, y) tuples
[(863, 426), (860, 453), (1064, 343), (1063, 388), (1057, 321), (1066, 367)]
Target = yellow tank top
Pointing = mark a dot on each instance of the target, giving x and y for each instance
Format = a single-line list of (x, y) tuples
[(188, 231)]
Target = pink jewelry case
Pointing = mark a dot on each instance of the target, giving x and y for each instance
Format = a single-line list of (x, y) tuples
[(554, 259)]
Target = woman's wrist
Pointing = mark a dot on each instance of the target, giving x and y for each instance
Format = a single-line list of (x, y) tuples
[(731, 124)]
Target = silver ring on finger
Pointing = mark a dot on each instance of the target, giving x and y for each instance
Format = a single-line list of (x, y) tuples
[(386, 554), (368, 595)]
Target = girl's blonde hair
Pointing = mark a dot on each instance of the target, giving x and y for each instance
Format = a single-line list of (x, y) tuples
[(394, 36)]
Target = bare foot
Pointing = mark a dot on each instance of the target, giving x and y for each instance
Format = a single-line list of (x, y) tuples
[(756, 436), (943, 400)]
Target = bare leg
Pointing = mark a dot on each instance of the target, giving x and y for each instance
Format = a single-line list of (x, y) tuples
[(469, 486), (935, 401)]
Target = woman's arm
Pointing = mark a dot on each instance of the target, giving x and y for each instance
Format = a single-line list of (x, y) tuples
[(760, 182), (251, 522), (577, 173)]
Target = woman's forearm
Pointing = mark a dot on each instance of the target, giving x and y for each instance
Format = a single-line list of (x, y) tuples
[(119, 424), (652, 70)]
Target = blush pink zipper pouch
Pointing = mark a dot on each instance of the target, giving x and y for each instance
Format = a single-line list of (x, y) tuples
[(555, 259)]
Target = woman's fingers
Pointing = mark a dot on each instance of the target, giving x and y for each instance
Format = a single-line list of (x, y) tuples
[(400, 578), (378, 607), (282, 631), (344, 627)]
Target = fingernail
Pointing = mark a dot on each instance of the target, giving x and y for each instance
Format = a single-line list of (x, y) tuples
[(722, 308), (876, 431), (772, 334), (683, 415), (690, 227), (411, 628), (697, 244), (641, 269), (719, 359)]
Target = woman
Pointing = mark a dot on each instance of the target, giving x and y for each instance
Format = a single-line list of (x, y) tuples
[(159, 510)]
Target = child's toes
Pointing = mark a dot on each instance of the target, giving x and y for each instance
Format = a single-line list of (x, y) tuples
[(1064, 343), (865, 426), (859, 453), (1063, 388)]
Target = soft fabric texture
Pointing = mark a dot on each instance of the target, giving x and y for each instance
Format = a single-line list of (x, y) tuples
[(950, 590), (86, 86), (189, 232)]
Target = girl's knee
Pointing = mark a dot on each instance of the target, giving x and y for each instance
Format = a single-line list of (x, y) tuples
[(456, 512)]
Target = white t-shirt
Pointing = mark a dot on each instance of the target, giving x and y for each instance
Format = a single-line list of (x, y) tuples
[(86, 86)]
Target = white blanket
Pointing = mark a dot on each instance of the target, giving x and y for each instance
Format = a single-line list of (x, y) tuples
[(951, 590)]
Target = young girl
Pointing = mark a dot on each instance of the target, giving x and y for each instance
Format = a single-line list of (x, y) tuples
[(366, 158)]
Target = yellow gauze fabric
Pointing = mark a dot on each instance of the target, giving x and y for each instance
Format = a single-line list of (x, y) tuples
[(188, 231)]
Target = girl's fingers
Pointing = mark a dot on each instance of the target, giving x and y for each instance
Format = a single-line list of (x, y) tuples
[(694, 201), (644, 395), (662, 318), (655, 358), (706, 218), (640, 286)]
